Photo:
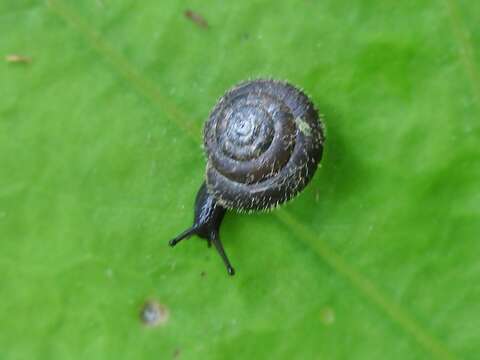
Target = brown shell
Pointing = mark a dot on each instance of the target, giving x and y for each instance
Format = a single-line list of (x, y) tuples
[(264, 141)]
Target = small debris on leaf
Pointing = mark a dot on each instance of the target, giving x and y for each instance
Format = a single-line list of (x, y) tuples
[(20, 59), (196, 18), (154, 314)]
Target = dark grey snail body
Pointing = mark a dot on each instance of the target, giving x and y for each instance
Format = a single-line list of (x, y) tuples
[(263, 141)]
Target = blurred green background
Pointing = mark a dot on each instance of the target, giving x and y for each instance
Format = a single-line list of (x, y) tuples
[(100, 161)]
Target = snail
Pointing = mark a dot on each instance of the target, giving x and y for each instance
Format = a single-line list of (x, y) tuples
[(263, 141)]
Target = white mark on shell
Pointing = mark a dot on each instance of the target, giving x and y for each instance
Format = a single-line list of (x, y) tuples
[(303, 126)]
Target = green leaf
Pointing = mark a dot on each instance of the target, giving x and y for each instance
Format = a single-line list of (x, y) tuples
[(100, 161)]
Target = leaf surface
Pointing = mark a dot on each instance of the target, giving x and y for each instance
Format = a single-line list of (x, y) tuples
[(100, 161)]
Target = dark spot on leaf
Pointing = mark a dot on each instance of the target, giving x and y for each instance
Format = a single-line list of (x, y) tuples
[(154, 314), (176, 353), (203, 274), (245, 36), (196, 18)]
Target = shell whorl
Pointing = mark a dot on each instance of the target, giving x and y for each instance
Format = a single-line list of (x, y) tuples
[(263, 142)]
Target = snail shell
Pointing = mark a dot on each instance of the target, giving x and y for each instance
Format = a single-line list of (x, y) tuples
[(263, 141)]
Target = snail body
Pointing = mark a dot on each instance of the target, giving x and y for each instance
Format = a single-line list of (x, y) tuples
[(263, 142)]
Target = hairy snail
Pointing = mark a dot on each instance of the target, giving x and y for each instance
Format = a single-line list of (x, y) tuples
[(263, 141)]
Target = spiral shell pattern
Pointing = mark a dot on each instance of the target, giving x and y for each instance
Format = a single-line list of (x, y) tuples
[(263, 142)]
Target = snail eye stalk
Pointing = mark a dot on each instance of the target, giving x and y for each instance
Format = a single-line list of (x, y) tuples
[(184, 235), (208, 218), (215, 238)]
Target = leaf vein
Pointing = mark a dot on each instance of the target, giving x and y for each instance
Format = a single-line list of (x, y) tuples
[(146, 87), (465, 48)]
